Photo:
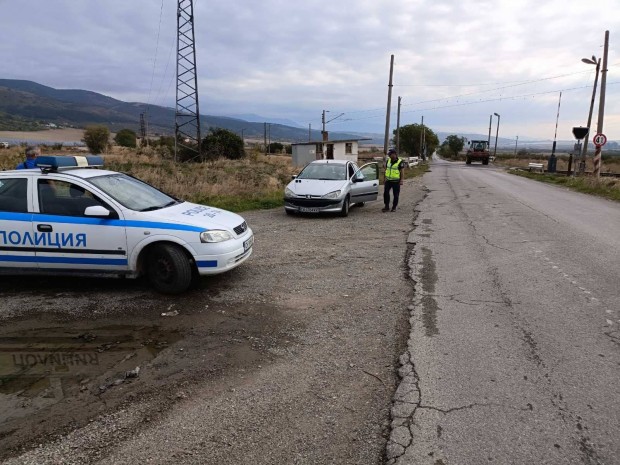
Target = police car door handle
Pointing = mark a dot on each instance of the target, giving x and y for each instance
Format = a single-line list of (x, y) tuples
[(44, 227)]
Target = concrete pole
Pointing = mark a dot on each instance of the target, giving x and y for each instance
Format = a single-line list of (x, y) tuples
[(496, 136), (582, 164), (489, 139), (516, 143), (398, 128), (601, 108), (386, 140), (421, 137)]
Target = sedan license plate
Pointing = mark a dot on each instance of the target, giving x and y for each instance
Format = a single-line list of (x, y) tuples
[(247, 244), (309, 209)]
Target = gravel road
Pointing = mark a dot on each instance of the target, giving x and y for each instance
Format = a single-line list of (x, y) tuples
[(290, 359)]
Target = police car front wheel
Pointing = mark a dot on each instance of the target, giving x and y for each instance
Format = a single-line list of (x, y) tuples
[(168, 269)]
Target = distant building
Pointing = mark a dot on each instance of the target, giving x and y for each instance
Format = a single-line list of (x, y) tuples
[(305, 152)]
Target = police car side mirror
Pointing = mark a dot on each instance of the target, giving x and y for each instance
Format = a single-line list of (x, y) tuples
[(293, 176), (98, 211)]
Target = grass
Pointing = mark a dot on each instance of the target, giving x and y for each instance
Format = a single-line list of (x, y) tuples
[(255, 182), (608, 188)]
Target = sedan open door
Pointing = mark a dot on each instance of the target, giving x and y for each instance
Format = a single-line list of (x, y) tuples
[(365, 183)]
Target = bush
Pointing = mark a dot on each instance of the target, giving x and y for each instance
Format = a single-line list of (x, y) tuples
[(125, 138), (222, 143), (96, 138)]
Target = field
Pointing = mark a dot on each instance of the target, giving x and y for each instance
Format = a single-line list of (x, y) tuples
[(608, 187), (254, 182)]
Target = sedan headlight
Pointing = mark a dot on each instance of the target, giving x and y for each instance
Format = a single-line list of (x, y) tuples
[(332, 195), (215, 235), (289, 193)]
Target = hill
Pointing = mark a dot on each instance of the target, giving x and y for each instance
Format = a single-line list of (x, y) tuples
[(27, 105)]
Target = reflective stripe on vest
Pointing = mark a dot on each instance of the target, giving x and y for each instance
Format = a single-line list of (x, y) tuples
[(392, 172)]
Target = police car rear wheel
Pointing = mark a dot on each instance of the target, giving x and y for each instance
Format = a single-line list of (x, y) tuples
[(168, 269)]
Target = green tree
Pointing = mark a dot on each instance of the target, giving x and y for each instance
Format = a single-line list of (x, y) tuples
[(410, 139), (222, 143), (452, 145), (96, 138), (125, 138)]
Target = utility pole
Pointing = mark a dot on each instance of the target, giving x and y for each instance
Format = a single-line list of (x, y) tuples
[(309, 132), (601, 108), (269, 137), (582, 164), (490, 123), (187, 115), (496, 135), (422, 139), (557, 118), (143, 130), (516, 143), (398, 129), (265, 136), (386, 140)]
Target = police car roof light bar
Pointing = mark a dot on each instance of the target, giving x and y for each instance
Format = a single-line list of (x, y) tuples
[(54, 163)]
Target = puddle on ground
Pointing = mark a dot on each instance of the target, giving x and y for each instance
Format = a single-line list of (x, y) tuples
[(41, 367)]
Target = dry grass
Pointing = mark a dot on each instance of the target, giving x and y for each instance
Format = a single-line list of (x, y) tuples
[(253, 182), (608, 166)]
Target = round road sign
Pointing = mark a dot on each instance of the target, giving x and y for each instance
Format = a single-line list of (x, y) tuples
[(599, 140)]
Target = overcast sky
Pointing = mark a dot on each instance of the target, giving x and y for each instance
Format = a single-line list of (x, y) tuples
[(456, 62)]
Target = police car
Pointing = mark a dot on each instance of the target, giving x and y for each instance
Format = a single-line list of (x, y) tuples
[(70, 215)]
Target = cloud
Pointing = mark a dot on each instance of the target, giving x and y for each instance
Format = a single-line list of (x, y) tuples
[(456, 61)]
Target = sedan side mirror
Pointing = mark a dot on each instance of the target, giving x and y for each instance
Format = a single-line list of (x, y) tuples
[(293, 176), (97, 211)]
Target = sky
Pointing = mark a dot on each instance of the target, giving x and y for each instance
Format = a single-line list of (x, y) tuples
[(456, 62)]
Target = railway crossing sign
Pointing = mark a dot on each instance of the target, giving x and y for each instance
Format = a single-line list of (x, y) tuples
[(599, 140)]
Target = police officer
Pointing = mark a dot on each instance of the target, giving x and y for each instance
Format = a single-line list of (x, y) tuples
[(393, 179), (31, 157)]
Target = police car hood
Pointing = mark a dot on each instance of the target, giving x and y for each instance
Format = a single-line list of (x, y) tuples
[(315, 187), (193, 214)]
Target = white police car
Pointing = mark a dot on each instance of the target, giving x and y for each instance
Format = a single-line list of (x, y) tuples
[(65, 216)]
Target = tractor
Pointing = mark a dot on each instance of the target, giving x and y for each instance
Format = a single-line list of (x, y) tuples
[(478, 151)]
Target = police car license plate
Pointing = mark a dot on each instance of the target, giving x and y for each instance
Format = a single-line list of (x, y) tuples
[(309, 209), (247, 244)]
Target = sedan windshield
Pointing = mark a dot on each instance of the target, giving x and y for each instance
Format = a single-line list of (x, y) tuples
[(132, 193), (324, 172)]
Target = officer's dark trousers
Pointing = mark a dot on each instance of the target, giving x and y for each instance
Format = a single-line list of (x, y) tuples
[(395, 186)]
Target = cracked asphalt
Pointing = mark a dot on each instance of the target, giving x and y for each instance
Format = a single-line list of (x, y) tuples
[(514, 351)]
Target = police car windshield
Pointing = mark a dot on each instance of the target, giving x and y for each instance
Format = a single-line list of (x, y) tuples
[(132, 193), (324, 172)]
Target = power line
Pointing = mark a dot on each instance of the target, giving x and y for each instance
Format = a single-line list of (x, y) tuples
[(482, 101)]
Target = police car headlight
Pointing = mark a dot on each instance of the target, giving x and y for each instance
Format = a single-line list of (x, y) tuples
[(289, 193), (332, 195), (215, 235)]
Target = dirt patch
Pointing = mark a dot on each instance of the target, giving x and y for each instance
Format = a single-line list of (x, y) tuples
[(290, 357)]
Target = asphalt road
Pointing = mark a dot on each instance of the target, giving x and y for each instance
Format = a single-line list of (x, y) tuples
[(514, 352)]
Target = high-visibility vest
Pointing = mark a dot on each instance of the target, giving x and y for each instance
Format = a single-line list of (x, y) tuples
[(392, 170)]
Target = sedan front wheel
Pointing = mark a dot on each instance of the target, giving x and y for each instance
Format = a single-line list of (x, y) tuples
[(345, 207)]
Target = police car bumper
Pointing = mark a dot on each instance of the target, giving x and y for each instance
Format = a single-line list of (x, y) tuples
[(209, 260)]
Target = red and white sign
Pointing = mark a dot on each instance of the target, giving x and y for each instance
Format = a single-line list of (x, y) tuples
[(599, 140)]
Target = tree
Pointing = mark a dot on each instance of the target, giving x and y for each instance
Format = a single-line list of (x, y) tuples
[(125, 138), (452, 145), (410, 139), (96, 138), (222, 143)]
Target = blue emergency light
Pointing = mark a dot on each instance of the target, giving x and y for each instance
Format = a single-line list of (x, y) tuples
[(56, 162)]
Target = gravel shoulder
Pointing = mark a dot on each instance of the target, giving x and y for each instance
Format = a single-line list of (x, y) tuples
[(291, 358)]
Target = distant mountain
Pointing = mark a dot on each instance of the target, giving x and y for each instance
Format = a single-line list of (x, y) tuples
[(27, 105), (254, 118)]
